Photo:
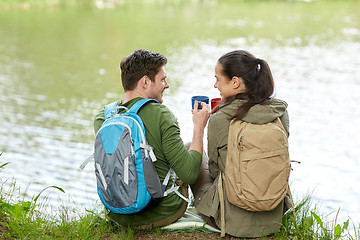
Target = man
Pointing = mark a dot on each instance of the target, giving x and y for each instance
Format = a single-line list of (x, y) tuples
[(143, 76)]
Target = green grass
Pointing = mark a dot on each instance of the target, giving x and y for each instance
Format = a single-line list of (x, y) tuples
[(309, 223), (21, 219)]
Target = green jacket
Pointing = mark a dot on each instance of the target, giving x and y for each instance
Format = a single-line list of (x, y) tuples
[(163, 134), (239, 222)]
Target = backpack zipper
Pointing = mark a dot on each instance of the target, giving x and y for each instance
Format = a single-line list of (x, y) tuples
[(115, 123), (241, 143)]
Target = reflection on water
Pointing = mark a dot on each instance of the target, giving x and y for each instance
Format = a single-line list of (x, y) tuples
[(48, 98)]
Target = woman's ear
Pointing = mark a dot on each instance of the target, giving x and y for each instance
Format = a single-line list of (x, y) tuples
[(238, 84), (235, 82)]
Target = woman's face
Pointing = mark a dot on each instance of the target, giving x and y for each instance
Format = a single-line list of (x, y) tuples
[(227, 87)]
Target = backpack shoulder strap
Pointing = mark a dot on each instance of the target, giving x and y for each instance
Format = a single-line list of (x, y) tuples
[(135, 108), (108, 108)]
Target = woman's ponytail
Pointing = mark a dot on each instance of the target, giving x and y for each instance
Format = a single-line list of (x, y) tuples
[(256, 76)]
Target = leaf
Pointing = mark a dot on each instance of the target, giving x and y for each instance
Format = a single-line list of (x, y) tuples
[(308, 222), (1, 166), (7, 206), (59, 188), (89, 211), (26, 206), (317, 218), (337, 231), (346, 225)]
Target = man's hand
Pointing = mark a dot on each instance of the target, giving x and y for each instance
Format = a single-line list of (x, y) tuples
[(200, 119), (201, 116)]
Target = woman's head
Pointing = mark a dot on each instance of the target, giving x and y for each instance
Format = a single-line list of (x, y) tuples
[(239, 74)]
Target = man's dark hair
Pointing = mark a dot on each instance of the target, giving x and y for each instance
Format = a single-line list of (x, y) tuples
[(138, 64)]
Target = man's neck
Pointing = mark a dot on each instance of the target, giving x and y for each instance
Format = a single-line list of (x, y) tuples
[(129, 95)]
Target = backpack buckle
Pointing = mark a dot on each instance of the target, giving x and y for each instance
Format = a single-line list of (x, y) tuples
[(114, 111)]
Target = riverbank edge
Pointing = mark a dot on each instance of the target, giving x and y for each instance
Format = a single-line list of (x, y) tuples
[(21, 219)]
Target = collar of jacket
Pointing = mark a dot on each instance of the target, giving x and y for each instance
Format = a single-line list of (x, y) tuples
[(258, 114)]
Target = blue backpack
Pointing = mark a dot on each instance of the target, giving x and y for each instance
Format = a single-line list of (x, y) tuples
[(126, 177)]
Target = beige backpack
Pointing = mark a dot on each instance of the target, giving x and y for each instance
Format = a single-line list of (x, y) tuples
[(257, 165)]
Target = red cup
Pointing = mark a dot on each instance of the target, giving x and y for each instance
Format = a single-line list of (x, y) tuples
[(214, 102)]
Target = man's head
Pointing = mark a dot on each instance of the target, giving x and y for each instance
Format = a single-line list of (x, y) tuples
[(139, 64)]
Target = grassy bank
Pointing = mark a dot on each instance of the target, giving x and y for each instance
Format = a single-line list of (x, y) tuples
[(23, 220)]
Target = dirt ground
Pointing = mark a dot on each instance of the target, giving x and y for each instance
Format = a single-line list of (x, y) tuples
[(187, 235), (181, 235)]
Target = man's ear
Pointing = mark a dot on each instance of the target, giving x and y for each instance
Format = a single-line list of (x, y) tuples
[(143, 82)]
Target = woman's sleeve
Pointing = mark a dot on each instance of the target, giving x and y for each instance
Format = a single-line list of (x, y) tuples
[(286, 122), (213, 148)]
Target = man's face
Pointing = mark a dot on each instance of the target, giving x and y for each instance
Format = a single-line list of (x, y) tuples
[(156, 89)]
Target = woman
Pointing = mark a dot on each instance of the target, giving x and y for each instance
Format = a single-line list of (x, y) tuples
[(246, 87)]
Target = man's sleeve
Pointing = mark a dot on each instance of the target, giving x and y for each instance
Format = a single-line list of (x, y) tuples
[(98, 121), (186, 164)]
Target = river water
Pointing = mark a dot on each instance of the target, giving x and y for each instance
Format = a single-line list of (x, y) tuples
[(58, 67)]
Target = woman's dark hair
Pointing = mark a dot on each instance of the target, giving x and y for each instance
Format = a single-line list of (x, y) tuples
[(138, 64), (256, 76)]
